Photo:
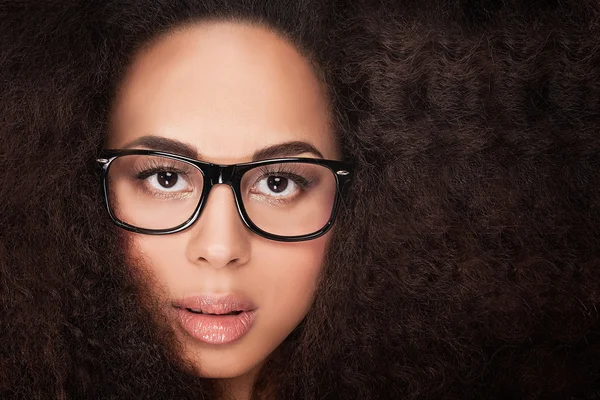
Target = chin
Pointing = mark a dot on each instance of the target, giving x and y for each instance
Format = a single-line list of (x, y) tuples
[(229, 361)]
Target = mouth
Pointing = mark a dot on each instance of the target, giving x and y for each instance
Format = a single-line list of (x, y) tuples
[(216, 320)]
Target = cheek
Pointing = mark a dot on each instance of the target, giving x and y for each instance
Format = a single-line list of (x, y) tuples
[(161, 256), (286, 275)]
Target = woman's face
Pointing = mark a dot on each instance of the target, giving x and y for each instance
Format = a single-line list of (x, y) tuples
[(226, 91)]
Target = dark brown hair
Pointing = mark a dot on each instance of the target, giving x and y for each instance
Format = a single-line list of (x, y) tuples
[(464, 264)]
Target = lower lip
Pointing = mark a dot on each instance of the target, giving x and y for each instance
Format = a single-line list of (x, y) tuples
[(216, 329)]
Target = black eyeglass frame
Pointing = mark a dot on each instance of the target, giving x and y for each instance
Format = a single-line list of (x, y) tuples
[(231, 175)]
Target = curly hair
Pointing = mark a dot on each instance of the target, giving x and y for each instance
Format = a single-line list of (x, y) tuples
[(464, 264)]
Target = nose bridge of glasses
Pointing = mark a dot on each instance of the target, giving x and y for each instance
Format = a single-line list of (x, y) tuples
[(219, 174)]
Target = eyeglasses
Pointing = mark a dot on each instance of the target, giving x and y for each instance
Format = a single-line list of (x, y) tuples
[(286, 199)]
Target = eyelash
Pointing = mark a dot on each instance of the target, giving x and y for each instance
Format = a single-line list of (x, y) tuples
[(299, 180), (144, 172)]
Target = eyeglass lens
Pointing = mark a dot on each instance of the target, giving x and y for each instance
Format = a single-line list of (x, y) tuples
[(285, 199)]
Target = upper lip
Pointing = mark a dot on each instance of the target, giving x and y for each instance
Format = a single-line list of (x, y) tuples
[(216, 304)]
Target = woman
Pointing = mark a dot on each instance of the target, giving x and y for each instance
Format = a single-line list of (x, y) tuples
[(200, 290), (459, 249), (211, 104)]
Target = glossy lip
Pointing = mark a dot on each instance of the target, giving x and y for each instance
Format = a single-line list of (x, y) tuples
[(215, 325)]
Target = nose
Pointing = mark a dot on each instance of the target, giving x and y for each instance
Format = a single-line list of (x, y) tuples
[(219, 238)]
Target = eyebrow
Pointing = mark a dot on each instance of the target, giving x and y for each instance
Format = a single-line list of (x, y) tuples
[(163, 144), (286, 149)]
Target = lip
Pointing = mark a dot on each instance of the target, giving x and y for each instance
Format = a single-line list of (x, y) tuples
[(224, 319)]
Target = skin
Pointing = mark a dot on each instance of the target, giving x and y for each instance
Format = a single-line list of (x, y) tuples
[(229, 89)]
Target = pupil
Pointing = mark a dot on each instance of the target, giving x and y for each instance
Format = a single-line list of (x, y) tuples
[(277, 184), (167, 179)]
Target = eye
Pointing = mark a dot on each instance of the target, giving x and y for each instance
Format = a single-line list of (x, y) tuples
[(167, 181), (277, 186)]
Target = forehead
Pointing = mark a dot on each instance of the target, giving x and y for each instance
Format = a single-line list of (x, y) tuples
[(228, 89)]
